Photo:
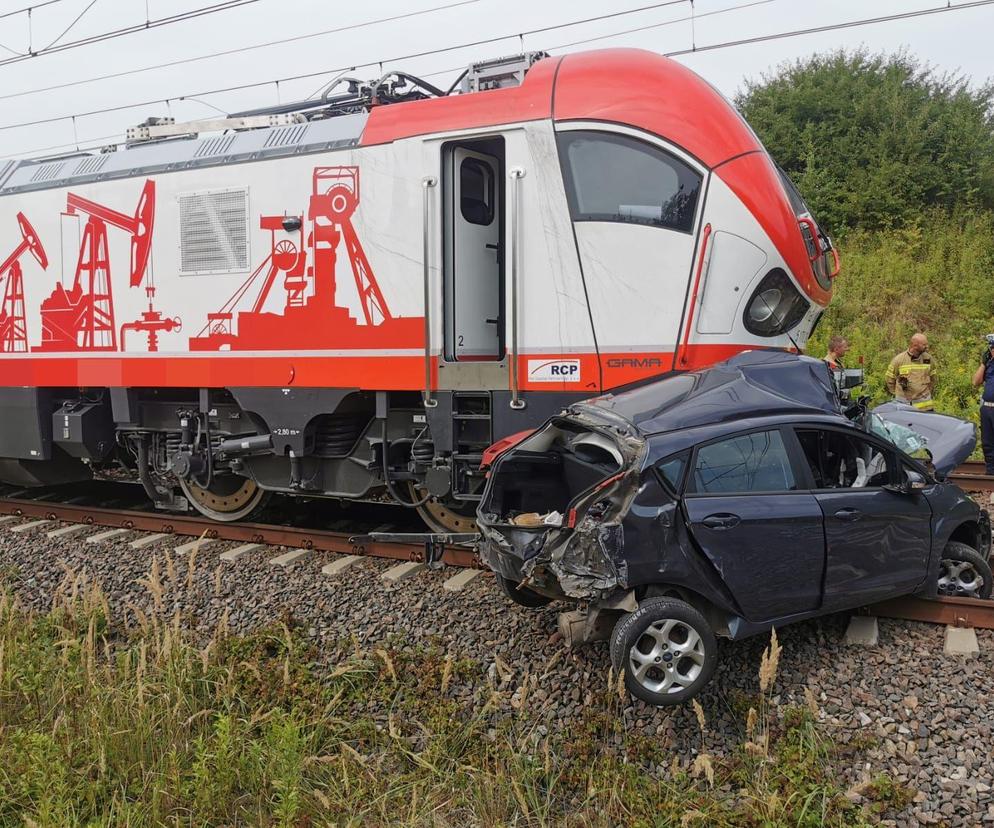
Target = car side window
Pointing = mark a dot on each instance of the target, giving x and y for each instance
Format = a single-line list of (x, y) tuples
[(843, 461), (671, 470), (756, 462)]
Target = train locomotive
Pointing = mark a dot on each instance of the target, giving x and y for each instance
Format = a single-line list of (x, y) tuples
[(354, 295)]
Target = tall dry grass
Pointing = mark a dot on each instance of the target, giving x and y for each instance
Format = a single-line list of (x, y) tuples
[(132, 720)]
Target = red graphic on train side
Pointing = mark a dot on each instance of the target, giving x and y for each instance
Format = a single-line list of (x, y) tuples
[(13, 322), (81, 318), (310, 318)]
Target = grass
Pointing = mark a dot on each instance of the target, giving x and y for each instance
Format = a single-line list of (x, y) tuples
[(932, 276), (133, 721)]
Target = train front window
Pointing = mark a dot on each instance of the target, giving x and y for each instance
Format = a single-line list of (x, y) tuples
[(616, 178)]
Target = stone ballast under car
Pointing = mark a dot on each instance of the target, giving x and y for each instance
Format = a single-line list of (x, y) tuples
[(725, 502)]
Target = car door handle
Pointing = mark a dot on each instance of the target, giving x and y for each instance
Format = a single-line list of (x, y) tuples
[(721, 521), (849, 514)]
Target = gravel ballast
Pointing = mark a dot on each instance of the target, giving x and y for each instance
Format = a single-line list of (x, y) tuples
[(922, 717)]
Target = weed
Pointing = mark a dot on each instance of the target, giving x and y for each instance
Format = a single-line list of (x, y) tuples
[(101, 723)]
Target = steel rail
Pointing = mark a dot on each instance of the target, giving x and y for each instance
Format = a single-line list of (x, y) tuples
[(186, 525), (971, 475), (961, 612), (958, 612)]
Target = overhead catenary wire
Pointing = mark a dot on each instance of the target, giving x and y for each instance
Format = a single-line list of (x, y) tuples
[(690, 17), (239, 50), (322, 72), (72, 25), (129, 30), (31, 8), (698, 48)]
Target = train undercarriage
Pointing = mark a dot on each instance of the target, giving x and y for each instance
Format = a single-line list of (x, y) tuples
[(223, 452)]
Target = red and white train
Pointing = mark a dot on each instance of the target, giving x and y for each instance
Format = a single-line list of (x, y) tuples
[(353, 296)]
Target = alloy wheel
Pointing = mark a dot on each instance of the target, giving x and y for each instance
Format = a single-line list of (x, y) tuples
[(959, 578), (668, 657)]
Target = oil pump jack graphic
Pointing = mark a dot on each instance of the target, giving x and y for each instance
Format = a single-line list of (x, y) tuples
[(310, 318), (13, 324), (82, 317)]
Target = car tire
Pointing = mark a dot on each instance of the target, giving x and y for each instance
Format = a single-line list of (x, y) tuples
[(522, 595), (668, 627), (963, 572)]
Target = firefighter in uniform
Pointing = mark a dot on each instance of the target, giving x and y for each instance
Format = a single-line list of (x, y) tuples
[(911, 374), (984, 376)]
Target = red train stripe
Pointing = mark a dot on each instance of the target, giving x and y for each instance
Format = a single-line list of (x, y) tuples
[(388, 373)]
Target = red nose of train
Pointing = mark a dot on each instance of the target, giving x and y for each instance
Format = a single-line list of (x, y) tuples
[(652, 92)]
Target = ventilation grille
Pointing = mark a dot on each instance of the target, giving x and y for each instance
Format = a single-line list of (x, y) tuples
[(214, 146), (6, 168), (92, 164), (285, 136), (213, 228), (46, 172)]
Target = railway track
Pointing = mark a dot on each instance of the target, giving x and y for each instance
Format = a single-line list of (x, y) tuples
[(309, 538), (960, 612), (970, 475)]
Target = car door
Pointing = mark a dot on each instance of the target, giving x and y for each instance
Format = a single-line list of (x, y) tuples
[(878, 538), (748, 511)]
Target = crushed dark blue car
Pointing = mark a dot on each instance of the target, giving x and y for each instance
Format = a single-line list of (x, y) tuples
[(725, 502)]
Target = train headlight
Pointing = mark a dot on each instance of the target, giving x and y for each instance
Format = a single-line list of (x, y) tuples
[(775, 306)]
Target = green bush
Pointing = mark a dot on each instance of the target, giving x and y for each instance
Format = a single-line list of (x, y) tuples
[(872, 140)]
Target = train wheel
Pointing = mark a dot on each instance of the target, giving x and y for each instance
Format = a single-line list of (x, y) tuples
[(227, 499), (440, 517)]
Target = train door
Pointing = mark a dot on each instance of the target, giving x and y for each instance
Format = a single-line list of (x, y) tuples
[(473, 295)]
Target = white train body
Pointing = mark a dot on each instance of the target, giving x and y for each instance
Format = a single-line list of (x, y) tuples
[(608, 220)]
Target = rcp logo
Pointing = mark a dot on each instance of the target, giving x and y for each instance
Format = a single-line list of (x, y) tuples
[(554, 370)]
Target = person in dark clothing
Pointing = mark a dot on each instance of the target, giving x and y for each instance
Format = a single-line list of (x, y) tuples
[(984, 376)]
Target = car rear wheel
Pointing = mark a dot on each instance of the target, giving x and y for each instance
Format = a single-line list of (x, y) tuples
[(522, 595), (964, 573), (666, 649)]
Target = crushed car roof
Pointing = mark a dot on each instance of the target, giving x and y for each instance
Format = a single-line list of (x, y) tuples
[(751, 384)]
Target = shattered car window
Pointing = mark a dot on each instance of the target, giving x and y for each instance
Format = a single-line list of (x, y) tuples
[(749, 463), (907, 440), (843, 461)]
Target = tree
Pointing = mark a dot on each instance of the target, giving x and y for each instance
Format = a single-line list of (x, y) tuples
[(872, 140)]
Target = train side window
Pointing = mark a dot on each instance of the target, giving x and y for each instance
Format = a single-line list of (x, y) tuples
[(616, 178), (476, 192)]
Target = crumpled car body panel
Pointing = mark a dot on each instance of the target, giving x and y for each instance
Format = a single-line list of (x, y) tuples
[(949, 440), (630, 530)]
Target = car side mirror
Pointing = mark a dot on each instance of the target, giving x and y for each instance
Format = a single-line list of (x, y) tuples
[(911, 483)]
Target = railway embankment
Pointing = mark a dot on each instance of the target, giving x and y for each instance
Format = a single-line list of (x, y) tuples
[(274, 692)]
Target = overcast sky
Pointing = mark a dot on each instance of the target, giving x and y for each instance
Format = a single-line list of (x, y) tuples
[(956, 40)]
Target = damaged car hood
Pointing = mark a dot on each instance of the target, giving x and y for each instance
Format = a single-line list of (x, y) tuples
[(949, 440)]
